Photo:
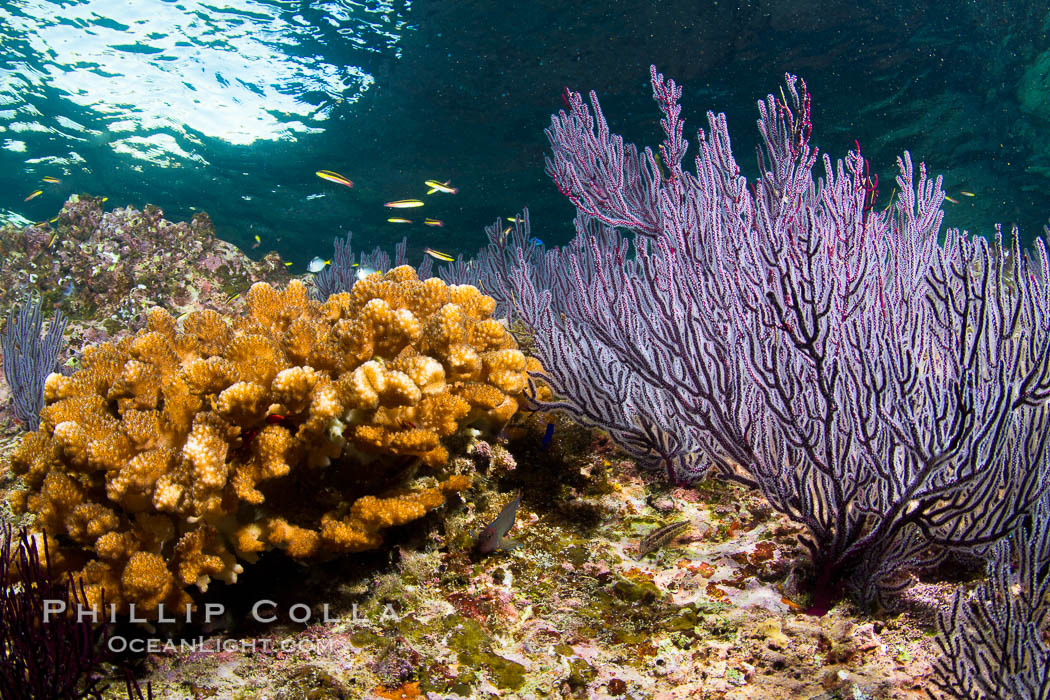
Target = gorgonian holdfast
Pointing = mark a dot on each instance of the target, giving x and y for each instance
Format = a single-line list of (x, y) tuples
[(884, 389)]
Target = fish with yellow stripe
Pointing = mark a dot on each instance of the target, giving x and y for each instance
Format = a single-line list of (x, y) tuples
[(437, 254), (436, 186), (334, 177)]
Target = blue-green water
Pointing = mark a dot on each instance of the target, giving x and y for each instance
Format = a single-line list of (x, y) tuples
[(231, 108)]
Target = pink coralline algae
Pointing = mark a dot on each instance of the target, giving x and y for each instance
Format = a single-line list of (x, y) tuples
[(492, 457)]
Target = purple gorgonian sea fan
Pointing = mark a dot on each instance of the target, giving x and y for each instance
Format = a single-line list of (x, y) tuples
[(882, 387), (993, 640), (29, 357), (346, 267), (490, 270), (47, 649)]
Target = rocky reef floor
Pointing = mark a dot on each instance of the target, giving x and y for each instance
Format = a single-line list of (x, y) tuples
[(572, 612)]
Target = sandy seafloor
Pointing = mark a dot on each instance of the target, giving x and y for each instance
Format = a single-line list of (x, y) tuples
[(572, 612)]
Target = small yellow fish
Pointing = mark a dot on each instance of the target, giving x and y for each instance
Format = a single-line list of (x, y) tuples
[(512, 219), (334, 177), (52, 241), (104, 200), (439, 255), (396, 220), (433, 222), (404, 204), (48, 178), (964, 193), (436, 186), (287, 264), (235, 296), (953, 201), (33, 195), (507, 230), (51, 221), (257, 239)]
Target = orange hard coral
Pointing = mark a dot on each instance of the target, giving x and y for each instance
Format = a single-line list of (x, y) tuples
[(175, 454)]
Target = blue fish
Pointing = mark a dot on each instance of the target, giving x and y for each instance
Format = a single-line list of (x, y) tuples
[(494, 536), (536, 242), (547, 437)]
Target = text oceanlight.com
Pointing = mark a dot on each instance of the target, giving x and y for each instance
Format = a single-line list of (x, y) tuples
[(200, 645)]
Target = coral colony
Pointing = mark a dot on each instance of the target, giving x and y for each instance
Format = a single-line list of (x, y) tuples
[(174, 455), (883, 386), (106, 269)]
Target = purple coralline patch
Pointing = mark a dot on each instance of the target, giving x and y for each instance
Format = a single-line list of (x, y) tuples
[(491, 458), (101, 266), (212, 263)]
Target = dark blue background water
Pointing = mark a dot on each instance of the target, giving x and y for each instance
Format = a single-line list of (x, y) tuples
[(230, 111)]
